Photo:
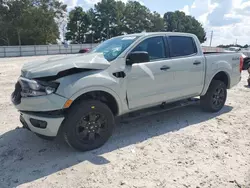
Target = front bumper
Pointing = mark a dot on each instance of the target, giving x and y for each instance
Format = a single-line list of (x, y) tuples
[(43, 125), (37, 104), (42, 114), (41, 103)]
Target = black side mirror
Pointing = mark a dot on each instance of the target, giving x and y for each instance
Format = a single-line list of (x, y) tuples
[(137, 57)]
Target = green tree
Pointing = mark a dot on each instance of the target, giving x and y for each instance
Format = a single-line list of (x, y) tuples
[(44, 30), (137, 18), (78, 25), (110, 18), (109, 15), (246, 46), (157, 22), (30, 21), (4, 25), (179, 22)]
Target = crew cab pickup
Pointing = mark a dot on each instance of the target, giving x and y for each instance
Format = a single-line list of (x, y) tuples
[(80, 95)]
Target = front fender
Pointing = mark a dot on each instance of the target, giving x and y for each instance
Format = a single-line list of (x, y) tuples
[(98, 88), (73, 86)]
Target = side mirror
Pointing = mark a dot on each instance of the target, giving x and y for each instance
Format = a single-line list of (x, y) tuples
[(137, 57)]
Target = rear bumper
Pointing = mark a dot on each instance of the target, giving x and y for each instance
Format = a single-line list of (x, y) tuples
[(43, 125)]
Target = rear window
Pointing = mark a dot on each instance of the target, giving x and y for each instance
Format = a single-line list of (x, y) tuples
[(181, 46)]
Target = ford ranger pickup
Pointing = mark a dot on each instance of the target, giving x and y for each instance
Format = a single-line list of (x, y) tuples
[(80, 95)]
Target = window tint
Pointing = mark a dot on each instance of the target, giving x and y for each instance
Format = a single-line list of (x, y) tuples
[(154, 46), (182, 46)]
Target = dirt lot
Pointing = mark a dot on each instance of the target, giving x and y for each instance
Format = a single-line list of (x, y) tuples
[(182, 148)]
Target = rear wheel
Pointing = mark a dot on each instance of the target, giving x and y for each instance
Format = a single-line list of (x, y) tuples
[(215, 98), (88, 125)]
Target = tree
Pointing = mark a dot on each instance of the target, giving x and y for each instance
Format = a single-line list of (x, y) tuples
[(232, 45), (110, 18), (138, 18), (179, 22), (246, 46), (78, 25), (157, 22), (30, 21), (4, 35)]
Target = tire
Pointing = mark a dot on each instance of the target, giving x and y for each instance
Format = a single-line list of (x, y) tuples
[(215, 98), (88, 125)]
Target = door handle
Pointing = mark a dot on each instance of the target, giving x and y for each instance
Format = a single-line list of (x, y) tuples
[(164, 68), (197, 63)]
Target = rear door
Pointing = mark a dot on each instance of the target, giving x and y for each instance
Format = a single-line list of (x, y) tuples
[(147, 82), (188, 66)]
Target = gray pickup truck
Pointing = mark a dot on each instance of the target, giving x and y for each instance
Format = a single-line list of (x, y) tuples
[(80, 95)]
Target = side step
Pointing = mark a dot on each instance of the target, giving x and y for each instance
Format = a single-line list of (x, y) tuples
[(158, 109)]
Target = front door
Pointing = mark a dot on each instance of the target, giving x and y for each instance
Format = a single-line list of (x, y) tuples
[(147, 82)]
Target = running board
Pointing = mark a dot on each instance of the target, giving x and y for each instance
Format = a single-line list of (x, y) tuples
[(158, 109)]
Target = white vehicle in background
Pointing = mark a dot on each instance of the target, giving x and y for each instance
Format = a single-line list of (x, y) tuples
[(82, 94), (234, 49)]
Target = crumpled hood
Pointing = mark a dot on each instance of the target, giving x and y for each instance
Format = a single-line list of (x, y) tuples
[(53, 65)]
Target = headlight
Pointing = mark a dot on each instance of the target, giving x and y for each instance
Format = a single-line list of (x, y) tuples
[(32, 88)]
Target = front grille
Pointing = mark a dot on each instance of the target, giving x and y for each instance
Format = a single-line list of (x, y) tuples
[(16, 95)]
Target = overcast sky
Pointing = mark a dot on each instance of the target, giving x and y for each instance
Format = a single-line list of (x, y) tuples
[(229, 19)]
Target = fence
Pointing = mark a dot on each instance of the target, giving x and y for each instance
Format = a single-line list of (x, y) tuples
[(15, 51), (212, 49)]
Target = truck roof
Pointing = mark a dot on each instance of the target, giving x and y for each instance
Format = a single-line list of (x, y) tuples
[(157, 33)]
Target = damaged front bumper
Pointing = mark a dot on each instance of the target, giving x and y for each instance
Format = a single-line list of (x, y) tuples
[(43, 124), (42, 114)]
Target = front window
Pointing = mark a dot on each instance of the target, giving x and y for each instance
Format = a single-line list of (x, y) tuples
[(154, 46), (112, 48)]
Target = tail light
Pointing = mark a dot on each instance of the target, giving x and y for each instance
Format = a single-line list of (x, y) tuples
[(241, 63)]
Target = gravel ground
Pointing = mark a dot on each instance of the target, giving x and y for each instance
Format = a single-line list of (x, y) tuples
[(181, 148)]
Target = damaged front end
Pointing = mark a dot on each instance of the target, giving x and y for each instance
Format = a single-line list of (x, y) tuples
[(32, 88), (40, 78), (57, 67), (40, 93), (40, 86)]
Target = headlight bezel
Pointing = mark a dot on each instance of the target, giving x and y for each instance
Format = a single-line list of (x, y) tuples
[(35, 88)]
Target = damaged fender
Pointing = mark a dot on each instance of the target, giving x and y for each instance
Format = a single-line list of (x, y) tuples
[(54, 65)]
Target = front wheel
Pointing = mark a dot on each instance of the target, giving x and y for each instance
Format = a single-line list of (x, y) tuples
[(215, 98), (88, 125)]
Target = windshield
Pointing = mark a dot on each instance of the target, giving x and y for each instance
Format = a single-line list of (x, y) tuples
[(112, 48)]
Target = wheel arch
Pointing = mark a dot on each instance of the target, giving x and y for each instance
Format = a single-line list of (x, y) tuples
[(106, 95), (222, 76)]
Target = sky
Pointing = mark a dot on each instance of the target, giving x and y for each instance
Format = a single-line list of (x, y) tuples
[(228, 19)]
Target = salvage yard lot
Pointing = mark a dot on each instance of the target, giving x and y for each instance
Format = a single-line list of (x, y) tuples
[(180, 148)]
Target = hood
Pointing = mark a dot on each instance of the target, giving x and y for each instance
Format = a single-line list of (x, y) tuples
[(53, 65)]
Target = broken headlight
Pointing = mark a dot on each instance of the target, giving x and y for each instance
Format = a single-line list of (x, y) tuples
[(34, 88)]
